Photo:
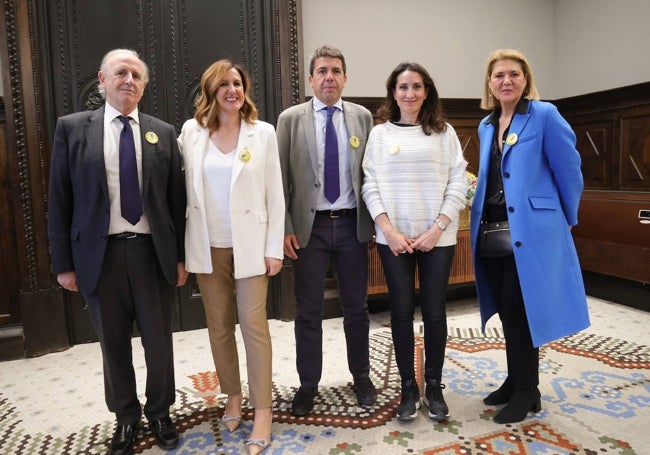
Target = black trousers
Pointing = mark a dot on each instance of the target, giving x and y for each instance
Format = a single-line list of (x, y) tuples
[(433, 268), (335, 240), (132, 288), (522, 356)]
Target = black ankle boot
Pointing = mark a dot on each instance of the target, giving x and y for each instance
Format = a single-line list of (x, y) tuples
[(501, 395), (521, 402)]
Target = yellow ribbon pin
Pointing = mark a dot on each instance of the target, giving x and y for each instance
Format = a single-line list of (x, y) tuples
[(394, 150), (354, 142), (511, 139), (245, 155), (151, 137)]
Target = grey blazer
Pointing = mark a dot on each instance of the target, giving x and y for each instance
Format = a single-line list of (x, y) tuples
[(79, 201), (299, 163)]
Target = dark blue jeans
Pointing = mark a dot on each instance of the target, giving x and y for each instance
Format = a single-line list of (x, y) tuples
[(433, 268)]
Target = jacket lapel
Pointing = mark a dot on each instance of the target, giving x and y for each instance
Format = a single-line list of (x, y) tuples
[(310, 134), (200, 146), (148, 153), (244, 148), (94, 137)]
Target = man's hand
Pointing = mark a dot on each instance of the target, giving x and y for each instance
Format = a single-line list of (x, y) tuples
[(182, 274), (291, 245), (68, 280)]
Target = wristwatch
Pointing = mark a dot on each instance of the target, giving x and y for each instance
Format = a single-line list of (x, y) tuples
[(441, 224)]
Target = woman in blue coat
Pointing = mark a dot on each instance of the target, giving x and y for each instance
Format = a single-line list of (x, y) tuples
[(529, 186)]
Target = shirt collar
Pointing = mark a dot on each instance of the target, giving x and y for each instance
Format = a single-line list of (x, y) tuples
[(111, 113), (319, 105)]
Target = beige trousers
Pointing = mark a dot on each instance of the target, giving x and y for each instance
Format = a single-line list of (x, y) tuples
[(225, 299)]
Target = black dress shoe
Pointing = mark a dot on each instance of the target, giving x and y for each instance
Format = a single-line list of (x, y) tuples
[(365, 391), (166, 434), (124, 439), (303, 401)]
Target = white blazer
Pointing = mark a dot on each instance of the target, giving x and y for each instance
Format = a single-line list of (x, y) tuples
[(256, 199)]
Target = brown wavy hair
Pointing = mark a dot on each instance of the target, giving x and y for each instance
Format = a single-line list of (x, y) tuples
[(430, 116), (207, 107)]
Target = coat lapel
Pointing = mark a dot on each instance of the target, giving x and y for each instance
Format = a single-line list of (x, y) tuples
[(516, 127)]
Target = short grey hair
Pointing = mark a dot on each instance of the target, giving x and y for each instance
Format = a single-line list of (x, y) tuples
[(103, 67)]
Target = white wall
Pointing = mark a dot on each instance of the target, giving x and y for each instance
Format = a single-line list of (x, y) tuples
[(601, 44), (565, 40)]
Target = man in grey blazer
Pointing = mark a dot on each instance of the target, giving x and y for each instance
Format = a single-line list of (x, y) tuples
[(321, 144), (119, 240)]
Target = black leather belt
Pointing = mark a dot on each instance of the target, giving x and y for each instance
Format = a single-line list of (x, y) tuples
[(126, 235), (337, 213)]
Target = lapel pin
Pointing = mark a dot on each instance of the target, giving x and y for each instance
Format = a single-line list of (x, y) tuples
[(511, 139), (354, 142), (151, 137), (245, 155)]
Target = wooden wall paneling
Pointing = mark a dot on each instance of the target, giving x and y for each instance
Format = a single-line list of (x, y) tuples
[(635, 150), (595, 140)]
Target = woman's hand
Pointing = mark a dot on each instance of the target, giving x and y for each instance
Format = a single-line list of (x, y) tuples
[(398, 242), (427, 241), (273, 266)]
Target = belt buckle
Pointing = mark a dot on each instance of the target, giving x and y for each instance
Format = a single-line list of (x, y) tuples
[(130, 235), (333, 214)]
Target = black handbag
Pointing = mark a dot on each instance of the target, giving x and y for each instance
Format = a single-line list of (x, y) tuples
[(494, 240)]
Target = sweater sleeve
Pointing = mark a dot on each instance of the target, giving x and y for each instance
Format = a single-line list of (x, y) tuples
[(456, 191), (370, 188)]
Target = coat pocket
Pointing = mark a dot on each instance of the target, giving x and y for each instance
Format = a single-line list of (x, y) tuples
[(544, 203)]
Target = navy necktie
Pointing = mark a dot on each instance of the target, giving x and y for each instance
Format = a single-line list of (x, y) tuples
[(130, 199), (332, 185)]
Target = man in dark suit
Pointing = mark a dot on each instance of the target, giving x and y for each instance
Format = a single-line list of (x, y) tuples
[(321, 144), (116, 227)]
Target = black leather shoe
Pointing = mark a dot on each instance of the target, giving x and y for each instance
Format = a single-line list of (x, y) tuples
[(501, 395), (365, 391), (521, 402), (303, 401), (166, 434), (124, 439)]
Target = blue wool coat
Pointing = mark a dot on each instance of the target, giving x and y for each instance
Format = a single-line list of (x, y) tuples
[(542, 183)]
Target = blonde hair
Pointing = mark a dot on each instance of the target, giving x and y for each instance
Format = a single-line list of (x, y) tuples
[(207, 107), (488, 102)]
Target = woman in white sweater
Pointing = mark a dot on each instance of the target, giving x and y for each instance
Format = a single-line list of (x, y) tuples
[(414, 187)]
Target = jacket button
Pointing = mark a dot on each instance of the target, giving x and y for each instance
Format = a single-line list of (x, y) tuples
[(517, 244), (506, 175), (511, 209)]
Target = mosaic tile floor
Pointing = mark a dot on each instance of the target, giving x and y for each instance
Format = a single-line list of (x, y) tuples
[(595, 394)]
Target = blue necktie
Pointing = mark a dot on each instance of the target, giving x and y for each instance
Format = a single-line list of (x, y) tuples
[(332, 185), (130, 199)]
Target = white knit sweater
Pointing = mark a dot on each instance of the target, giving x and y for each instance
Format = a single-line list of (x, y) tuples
[(413, 178)]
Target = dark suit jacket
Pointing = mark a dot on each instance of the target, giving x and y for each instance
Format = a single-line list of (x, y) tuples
[(299, 162), (79, 206)]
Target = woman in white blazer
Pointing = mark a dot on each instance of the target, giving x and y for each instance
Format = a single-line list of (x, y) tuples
[(234, 234)]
